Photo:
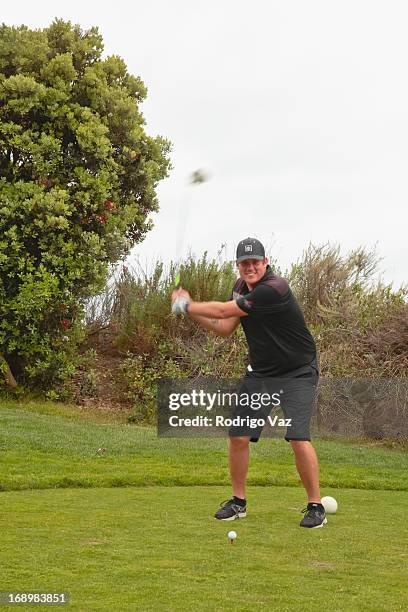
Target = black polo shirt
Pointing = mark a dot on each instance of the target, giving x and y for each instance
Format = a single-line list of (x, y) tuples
[(277, 335)]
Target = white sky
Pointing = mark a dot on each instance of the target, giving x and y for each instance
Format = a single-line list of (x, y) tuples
[(297, 110)]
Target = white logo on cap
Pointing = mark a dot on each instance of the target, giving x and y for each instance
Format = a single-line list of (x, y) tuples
[(248, 248)]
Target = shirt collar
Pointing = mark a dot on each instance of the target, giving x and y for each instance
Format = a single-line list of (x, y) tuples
[(268, 274)]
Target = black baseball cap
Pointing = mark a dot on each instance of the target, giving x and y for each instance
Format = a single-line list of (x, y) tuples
[(250, 248)]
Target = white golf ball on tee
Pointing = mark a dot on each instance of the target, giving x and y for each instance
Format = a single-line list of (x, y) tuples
[(329, 504), (232, 535)]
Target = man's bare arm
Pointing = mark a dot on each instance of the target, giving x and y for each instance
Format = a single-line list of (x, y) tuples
[(216, 310), (220, 317), (221, 327)]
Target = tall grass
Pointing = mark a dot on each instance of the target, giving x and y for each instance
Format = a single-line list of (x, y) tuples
[(360, 324)]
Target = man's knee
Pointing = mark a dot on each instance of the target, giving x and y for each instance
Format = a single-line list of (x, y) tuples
[(238, 443), (300, 445)]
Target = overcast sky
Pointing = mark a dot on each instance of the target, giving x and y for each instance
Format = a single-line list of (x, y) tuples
[(297, 110)]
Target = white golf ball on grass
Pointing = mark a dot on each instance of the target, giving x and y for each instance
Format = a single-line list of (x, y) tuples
[(329, 504), (232, 536)]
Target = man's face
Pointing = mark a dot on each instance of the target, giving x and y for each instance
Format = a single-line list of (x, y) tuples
[(252, 270)]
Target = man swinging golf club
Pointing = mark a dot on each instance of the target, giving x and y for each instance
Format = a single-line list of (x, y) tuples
[(280, 345)]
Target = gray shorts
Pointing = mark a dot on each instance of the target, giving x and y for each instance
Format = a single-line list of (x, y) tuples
[(296, 393)]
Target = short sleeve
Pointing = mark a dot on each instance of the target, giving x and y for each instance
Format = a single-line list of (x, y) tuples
[(263, 300)]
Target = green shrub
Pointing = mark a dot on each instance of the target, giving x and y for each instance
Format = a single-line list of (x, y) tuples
[(78, 179), (140, 381)]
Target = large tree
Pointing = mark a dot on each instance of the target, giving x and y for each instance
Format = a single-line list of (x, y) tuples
[(78, 177)]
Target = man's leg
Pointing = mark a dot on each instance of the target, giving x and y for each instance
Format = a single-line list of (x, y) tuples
[(238, 465), (308, 467)]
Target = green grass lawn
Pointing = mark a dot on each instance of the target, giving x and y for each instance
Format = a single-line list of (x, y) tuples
[(159, 548), (123, 544), (44, 446)]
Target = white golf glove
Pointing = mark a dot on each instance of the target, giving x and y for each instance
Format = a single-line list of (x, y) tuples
[(180, 306)]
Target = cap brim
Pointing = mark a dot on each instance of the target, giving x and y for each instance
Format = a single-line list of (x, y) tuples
[(244, 257)]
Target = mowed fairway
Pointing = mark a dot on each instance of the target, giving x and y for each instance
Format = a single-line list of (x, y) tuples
[(155, 547)]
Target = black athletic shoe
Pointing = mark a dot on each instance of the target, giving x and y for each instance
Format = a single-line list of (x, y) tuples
[(230, 511), (314, 516)]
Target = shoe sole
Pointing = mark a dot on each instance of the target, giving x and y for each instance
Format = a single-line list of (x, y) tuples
[(316, 526), (232, 518)]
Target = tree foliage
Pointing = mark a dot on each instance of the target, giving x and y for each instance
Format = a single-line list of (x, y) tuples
[(78, 178)]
